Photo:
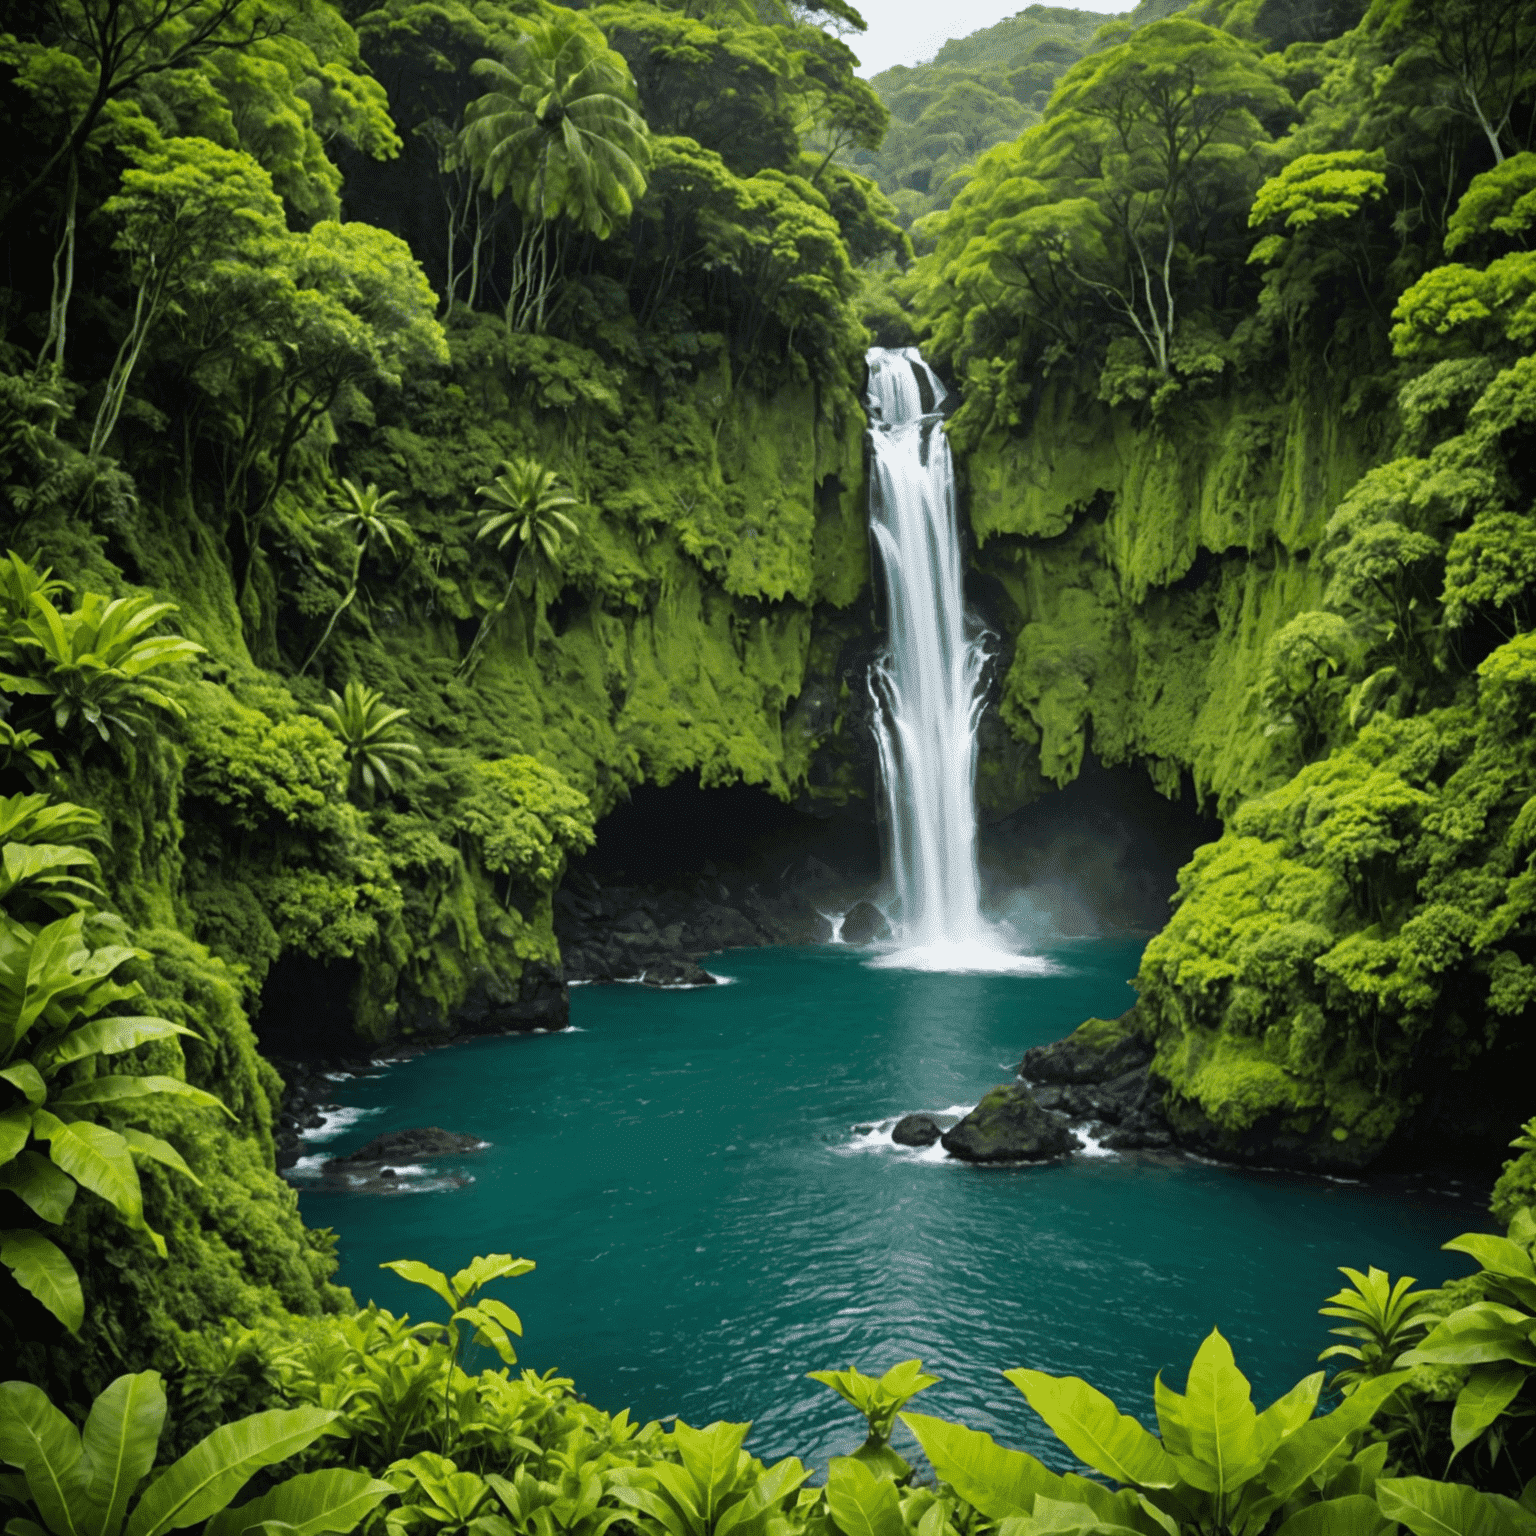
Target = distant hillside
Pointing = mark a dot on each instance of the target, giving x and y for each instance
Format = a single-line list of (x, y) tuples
[(976, 92)]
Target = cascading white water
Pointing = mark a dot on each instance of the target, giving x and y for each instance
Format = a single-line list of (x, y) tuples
[(927, 685)]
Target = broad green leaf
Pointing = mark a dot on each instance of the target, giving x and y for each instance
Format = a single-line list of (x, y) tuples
[(648, 1502), (38, 1439), (1095, 1431), (31, 1177), (97, 1158), (710, 1456), (15, 1127), (120, 1437), (41, 1268), (1441, 1509), (488, 1332), (1287, 1414), (1496, 1254), (1062, 1517), (219, 1466), (1219, 1413), (22, 1075), (907, 1379), (423, 1274), (861, 1503), (502, 1313), (999, 1482), (311, 1504), (118, 1089), (1353, 1515), (1302, 1455), (1170, 1407), (778, 1482), (1476, 1335), (488, 1267), (1490, 1389), (109, 1037), (142, 1144)]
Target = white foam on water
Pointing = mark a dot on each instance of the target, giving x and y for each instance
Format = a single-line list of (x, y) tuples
[(974, 957), (877, 1138), (723, 981), (1091, 1147), (337, 1119), (307, 1167)]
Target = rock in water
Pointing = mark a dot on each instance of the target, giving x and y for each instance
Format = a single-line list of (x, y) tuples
[(1009, 1126), (915, 1131), (676, 973), (1094, 1052), (863, 923), (412, 1145)]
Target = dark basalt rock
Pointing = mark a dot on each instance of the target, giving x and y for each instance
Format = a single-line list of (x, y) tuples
[(1095, 1052), (915, 1131), (864, 923), (677, 973), (411, 1146), (1010, 1126)]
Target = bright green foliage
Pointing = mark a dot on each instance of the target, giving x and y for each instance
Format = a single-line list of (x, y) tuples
[(880, 1399), (1384, 1318), (1500, 202), (361, 721), (1302, 683), (718, 1488), (83, 1482), (1218, 1464), (1490, 570)]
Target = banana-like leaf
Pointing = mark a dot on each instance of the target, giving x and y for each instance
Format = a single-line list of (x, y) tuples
[(311, 1504), (423, 1274), (1490, 1389), (861, 1503), (1302, 1455), (38, 1439), (121, 1434), (1219, 1412), (999, 1482), (501, 1312), (490, 1266), (142, 1144), (120, 1088), (651, 1504), (97, 1158), (31, 1177), (1287, 1414), (41, 1268), (1441, 1509), (107, 1037), (219, 1466), (1095, 1431), (1171, 1417), (24, 1077), (776, 1483), (1353, 1515), (15, 1127), (1476, 1335), (1064, 1517)]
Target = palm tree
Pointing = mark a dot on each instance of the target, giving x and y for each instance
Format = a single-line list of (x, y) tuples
[(362, 515), (524, 503), (557, 132), (361, 720)]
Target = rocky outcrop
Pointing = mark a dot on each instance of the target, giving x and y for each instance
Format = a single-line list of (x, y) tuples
[(915, 1131), (1010, 1126), (619, 932), (410, 1146), (864, 923), (1101, 1073)]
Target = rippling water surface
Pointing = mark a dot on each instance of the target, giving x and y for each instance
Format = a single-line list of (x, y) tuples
[(710, 1221)]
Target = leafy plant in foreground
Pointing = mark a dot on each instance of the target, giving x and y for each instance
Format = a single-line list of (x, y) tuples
[(492, 1321), (1218, 1466), (879, 1399), (361, 720), (1385, 1318), (82, 1484)]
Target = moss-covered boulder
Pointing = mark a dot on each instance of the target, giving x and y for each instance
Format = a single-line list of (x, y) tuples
[(1008, 1126), (1095, 1052)]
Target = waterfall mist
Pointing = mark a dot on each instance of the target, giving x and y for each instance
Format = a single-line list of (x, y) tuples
[(927, 685)]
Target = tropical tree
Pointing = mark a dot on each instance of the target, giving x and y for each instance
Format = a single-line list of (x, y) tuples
[(557, 133), (365, 518), (83, 1483), (364, 725), (524, 502)]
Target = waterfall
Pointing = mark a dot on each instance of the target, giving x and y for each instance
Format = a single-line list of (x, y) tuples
[(927, 685)]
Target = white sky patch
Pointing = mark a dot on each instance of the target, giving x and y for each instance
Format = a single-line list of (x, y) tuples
[(910, 31)]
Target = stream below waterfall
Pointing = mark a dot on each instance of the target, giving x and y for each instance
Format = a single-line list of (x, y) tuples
[(702, 1179)]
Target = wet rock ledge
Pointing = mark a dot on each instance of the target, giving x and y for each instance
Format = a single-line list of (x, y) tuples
[(1099, 1075)]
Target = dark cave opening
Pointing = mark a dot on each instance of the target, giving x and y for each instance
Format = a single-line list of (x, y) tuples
[(306, 1010)]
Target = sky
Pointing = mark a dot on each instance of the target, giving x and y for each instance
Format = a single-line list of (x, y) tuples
[(908, 31)]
